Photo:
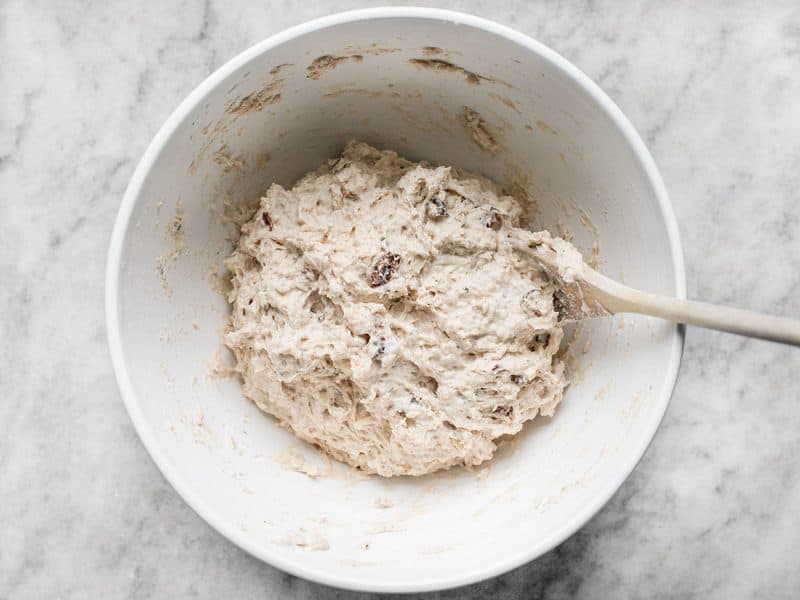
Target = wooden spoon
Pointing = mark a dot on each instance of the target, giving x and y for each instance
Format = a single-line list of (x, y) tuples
[(583, 293)]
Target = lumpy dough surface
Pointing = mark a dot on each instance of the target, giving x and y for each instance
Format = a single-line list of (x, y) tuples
[(391, 313)]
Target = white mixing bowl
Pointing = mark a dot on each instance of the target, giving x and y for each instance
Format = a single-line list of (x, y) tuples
[(254, 122)]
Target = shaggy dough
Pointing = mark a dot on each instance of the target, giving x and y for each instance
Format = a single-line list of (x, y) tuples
[(393, 313)]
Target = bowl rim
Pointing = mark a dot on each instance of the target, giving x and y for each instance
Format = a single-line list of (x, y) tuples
[(144, 429)]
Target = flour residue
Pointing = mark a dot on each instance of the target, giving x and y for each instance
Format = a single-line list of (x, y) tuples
[(545, 128), (429, 51), (519, 185), (372, 50), (301, 538), (428, 550), (383, 503), (443, 66), (344, 91), (175, 232), (506, 101), (479, 130), (277, 70), (222, 364), (293, 460), (325, 63), (586, 221), (198, 425), (258, 100), (384, 527), (541, 504), (227, 161)]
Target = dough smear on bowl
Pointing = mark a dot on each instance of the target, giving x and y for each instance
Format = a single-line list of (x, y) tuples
[(390, 313)]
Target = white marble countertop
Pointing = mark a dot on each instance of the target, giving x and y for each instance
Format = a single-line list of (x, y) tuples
[(712, 510)]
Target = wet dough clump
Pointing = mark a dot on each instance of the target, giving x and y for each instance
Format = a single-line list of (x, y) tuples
[(390, 313)]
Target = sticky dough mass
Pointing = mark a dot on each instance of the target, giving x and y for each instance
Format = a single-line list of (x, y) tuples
[(390, 313)]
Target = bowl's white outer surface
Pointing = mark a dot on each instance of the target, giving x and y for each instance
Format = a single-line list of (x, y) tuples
[(561, 137)]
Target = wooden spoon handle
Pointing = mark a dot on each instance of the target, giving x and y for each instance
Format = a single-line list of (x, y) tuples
[(617, 298)]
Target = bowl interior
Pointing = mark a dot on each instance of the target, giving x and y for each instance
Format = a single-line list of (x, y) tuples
[(402, 82)]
